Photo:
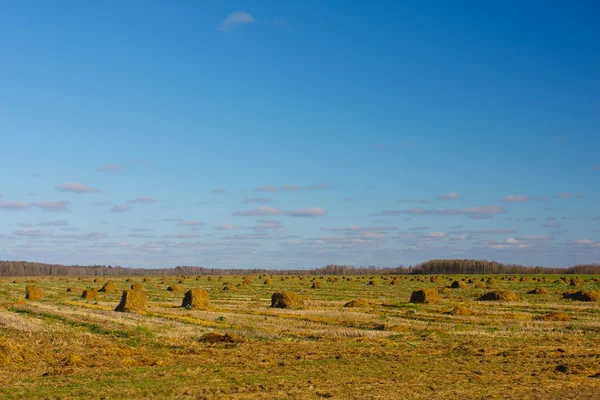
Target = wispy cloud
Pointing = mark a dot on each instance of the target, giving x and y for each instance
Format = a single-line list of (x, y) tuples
[(120, 208), (236, 19), (59, 222), (474, 212), (53, 206), (219, 191), (76, 188), (450, 196), (31, 233), (259, 200), (267, 211), (569, 196), (266, 188), (190, 222), (418, 201), (14, 205), (110, 168), (143, 200), (514, 199)]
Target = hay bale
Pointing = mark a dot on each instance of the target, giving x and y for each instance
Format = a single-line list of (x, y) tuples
[(286, 299), (499, 295), (458, 285), (460, 310), (33, 293), (358, 303), (98, 280), (425, 296), (555, 316), (137, 286), (480, 285), (268, 281), (69, 290), (108, 287), (574, 282), (174, 288), (372, 282), (146, 280), (132, 301), (196, 299), (582, 296), (90, 294), (538, 290), (317, 285), (214, 338)]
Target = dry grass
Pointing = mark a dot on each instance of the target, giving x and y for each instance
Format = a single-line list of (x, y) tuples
[(242, 348)]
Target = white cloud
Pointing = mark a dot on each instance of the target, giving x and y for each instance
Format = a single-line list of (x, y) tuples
[(236, 19), (14, 205), (59, 222), (144, 200), (53, 206), (266, 188), (514, 199), (31, 233), (270, 211), (473, 212), (76, 188), (450, 196), (259, 200), (190, 222), (120, 208), (110, 168)]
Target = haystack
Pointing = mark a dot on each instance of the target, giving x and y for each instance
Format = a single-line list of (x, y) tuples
[(90, 294), (108, 287), (460, 310), (555, 316), (268, 281), (214, 337), (499, 295), (174, 288), (286, 299), (132, 301), (195, 298), (317, 285), (458, 285), (34, 293), (538, 290), (137, 286), (582, 296), (427, 295), (359, 303)]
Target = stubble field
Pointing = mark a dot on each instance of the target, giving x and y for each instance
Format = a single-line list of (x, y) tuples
[(537, 346)]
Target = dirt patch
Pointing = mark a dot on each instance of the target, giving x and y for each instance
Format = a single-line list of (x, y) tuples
[(425, 296), (460, 310), (555, 316)]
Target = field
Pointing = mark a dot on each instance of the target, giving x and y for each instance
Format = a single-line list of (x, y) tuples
[(537, 346)]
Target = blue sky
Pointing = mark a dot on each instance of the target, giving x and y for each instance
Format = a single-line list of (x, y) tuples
[(296, 134)]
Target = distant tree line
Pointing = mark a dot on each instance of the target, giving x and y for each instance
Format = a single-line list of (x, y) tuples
[(452, 266), (484, 267)]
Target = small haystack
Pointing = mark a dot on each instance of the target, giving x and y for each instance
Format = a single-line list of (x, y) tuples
[(90, 294), (499, 295), (132, 301), (268, 281), (137, 286), (460, 310), (34, 293), (458, 285), (174, 288), (538, 290), (555, 316), (286, 299), (359, 303), (196, 299), (214, 338), (582, 296), (317, 285), (108, 287), (427, 295)]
